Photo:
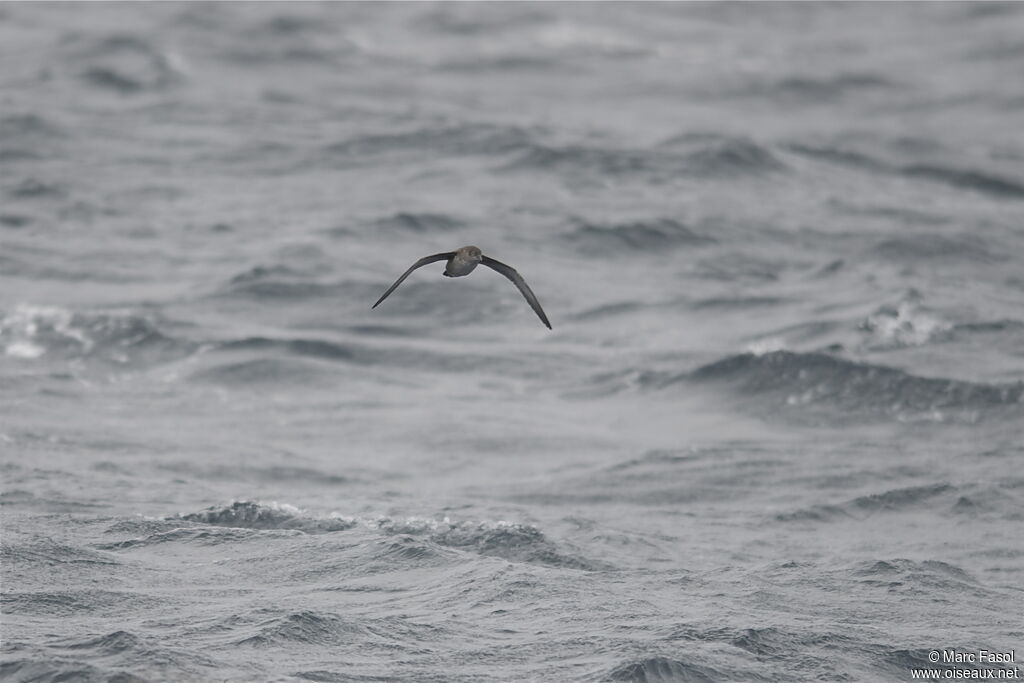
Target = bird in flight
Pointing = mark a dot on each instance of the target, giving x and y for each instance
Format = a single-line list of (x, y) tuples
[(462, 262)]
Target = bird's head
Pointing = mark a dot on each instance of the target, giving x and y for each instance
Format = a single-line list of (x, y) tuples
[(472, 253)]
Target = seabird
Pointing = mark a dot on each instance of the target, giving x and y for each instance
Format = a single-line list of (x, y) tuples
[(462, 262)]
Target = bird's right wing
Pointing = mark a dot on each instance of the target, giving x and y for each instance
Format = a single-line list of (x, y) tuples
[(422, 262), (518, 281)]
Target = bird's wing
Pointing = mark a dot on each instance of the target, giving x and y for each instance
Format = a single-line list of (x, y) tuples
[(518, 281), (422, 262)]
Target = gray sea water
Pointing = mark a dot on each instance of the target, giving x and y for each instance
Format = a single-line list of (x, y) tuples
[(777, 431)]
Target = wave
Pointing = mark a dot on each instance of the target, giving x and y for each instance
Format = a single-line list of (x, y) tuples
[(10, 155), (939, 495), (48, 668), (508, 540), (30, 188), (32, 127), (468, 139), (508, 62), (640, 236), (776, 645), (896, 214), (308, 627), (581, 159), (250, 515), (280, 281), (992, 326), (776, 642), (45, 551), (133, 341), (987, 501), (828, 89), (737, 302), (918, 577), (292, 49), (292, 24), (195, 536), (115, 656), (128, 649), (123, 63), (925, 247), (251, 472), (908, 324), (768, 644), (838, 155), (15, 220), (452, 20), (318, 361), (268, 627), (28, 137), (792, 335), (282, 39), (931, 571), (809, 90), (665, 670), (967, 179), (795, 381), (702, 156), (718, 155), (419, 222), (35, 332), (310, 348), (951, 176), (610, 310), (122, 652), (291, 362), (76, 603)]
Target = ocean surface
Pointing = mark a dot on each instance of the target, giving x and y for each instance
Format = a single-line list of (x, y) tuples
[(777, 431)]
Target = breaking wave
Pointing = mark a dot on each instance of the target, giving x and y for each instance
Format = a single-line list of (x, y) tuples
[(36, 332), (907, 324), (508, 540), (249, 515)]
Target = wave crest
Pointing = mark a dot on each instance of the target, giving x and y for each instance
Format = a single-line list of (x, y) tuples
[(251, 515), (803, 380), (664, 670), (32, 332), (509, 540)]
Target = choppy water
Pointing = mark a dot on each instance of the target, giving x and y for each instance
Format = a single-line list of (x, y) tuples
[(776, 433)]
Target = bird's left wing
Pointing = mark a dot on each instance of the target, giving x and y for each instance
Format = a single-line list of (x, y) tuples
[(518, 281), (422, 262)]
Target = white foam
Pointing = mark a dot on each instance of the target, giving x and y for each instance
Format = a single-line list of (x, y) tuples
[(909, 326), (22, 349), (21, 329), (769, 345)]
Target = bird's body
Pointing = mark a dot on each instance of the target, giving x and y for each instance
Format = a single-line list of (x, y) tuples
[(462, 262)]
